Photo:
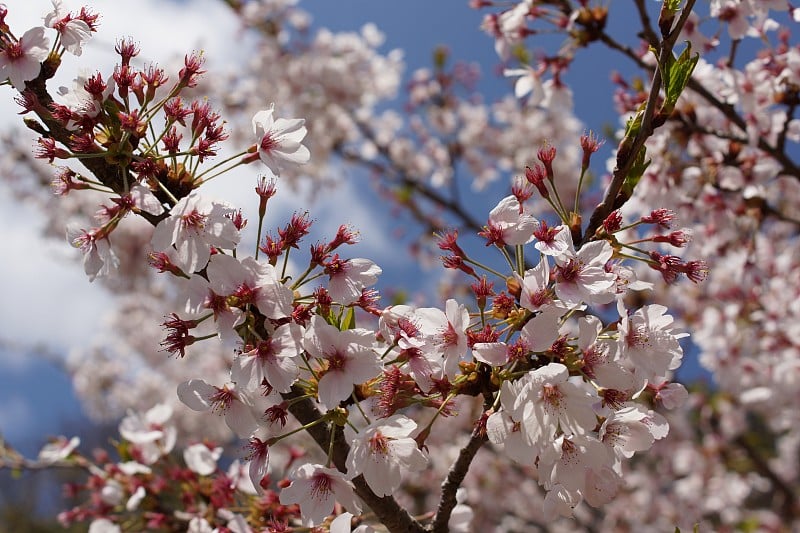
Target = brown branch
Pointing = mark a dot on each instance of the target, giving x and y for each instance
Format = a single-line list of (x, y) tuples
[(454, 478), (629, 149), (106, 173), (429, 222), (395, 518), (648, 34), (729, 111), (112, 175)]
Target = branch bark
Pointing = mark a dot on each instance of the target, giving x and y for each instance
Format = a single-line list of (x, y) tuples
[(454, 478), (626, 158), (395, 518)]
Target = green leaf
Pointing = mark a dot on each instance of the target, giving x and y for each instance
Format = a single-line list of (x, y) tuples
[(635, 173), (632, 128), (676, 75), (672, 5), (349, 319), (330, 317), (634, 124)]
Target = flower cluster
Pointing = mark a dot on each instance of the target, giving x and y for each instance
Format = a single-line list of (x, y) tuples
[(143, 142), (724, 163), (559, 386), (138, 490), (559, 351)]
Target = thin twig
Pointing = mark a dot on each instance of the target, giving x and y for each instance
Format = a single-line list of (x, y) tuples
[(626, 158), (454, 478)]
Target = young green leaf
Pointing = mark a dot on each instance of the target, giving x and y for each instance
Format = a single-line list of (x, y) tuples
[(348, 320), (635, 173), (676, 76)]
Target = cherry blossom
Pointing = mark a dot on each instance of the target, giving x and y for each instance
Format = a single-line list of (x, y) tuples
[(99, 258), (568, 459), (536, 290), (648, 339), (201, 459), (560, 502), (81, 102), (735, 13), (103, 525), (671, 395), (537, 335), (20, 61), (58, 449), (347, 357), (507, 434), (509, 223), (348, 277), (383, 452), (279, 140), (528, 83), (257, 462), (599, 357), (555, 241), (150, 433), (548, 399), (73, 31), (633, 429), (195, 225), (273, 361), (250, 281), (445, 332), (582, 277), (316, 489), (240, 407), (143, 199)]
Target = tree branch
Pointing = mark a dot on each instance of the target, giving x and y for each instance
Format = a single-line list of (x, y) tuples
[(626, 155), (395, 518), (728, 110), (109, 174), (429, 193), (454, 478)]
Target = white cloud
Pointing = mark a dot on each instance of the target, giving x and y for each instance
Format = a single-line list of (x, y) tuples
[(47, 298), (165, 31)]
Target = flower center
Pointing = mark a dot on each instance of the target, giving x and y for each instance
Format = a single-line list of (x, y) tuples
[(265, 350), (638, 338), (194, 221), (14, 51), (518, 350), (268, 142), (551, 395), (245, 294), (336, 361), (215, 302), (335, 266), (449, 336), (222, 399), (379, 444), (321, 486), (570, 271)]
